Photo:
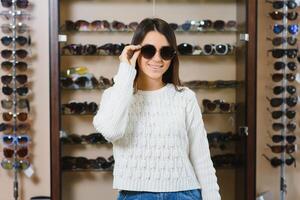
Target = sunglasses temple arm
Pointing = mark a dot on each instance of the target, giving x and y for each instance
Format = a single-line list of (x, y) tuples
[(266, 157)]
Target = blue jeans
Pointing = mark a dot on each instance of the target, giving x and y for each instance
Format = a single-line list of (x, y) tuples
[(181, 195)]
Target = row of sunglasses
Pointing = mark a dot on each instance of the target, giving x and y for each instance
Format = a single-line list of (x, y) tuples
[(19, 3), (116, 49), (97, 138), (91, 108), (86, 82), (100, 163), (189, 25)]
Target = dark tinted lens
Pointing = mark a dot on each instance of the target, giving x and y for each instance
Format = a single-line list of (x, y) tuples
[(279, 65), (167, 53), (148, 51), (21, 40), (173, 26), (66, 81), (291, 126), (275, 102), (90, 49), (277, 114), (277, 126), (219, 24), (225, 106), (292, 40), (278, 90), (277, 138), (290, 114), (6, 40), (221, 49), (291, 139), (6, 3), (8, 139), (22, 3), (291, 101), (276, 15), (21, 53), (291, 89), (291, 4), (290, 77), (278, 4), (292, 15), (185, 49), (6, 79), (6, 53), (277, 77), (278, 41), (292, 66)]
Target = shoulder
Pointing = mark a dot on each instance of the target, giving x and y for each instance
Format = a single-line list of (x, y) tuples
[(183, 93)]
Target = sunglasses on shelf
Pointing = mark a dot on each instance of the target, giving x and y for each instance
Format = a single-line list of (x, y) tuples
[(277, 41), (21, 152), (289, 148), (279, 113), (18, 14), (18, 164), (277, 15), (20, 140), (279, 53), (292, 28), (291, 4), (111, 49), (80, 108), (280, 126), (22, 91), (276, 77), (20, 127), (218, 49), (78, 49), (290, 101), (279, 138), (20, 28), (21, 103), (94, 138), (117, 25), (276, 162), (165, 52), (281, 65), (20, 53), (105, 82), (83, 25), (19, 3), (185, 49), (212, 105), (21, 40), (20, 78), (80, 81), (7, 116), (280, 89)]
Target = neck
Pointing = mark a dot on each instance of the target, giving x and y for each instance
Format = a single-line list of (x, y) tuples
[(149, 84)]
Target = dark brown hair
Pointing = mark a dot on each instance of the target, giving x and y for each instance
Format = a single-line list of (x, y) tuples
[(156, 24)]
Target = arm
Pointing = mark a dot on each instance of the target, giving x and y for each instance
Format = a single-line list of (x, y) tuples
[(199, 151), (112, 116)]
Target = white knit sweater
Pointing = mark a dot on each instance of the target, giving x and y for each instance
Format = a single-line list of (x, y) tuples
[(159, 139)]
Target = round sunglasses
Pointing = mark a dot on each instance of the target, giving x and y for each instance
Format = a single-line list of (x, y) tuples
[(280, 89), (165, 52), (20, 140), (19, 3), (7, 40), (7, 116), (18, 164), (276, 15), (281, 65), (20, 152)]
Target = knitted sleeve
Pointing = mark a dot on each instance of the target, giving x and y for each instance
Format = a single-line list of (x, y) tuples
[(199, 150), (112, 116)]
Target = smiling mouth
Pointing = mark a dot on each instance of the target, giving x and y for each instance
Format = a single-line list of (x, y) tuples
[(155, 66)]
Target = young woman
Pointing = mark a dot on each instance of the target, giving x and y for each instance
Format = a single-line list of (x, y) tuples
[(159, 140)]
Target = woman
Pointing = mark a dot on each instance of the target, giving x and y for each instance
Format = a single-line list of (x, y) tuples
[(159, 141)]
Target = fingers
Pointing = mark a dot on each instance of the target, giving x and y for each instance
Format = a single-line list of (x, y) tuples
[(135, 56), (130, 54)]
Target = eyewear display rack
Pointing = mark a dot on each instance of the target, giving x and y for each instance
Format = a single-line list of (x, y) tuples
[(14, 13), (246, 95)]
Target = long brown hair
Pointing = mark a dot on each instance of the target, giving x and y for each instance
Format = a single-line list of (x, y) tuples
[(156, 24)]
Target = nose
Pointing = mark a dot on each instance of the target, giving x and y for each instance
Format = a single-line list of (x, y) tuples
[(157, 56)]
